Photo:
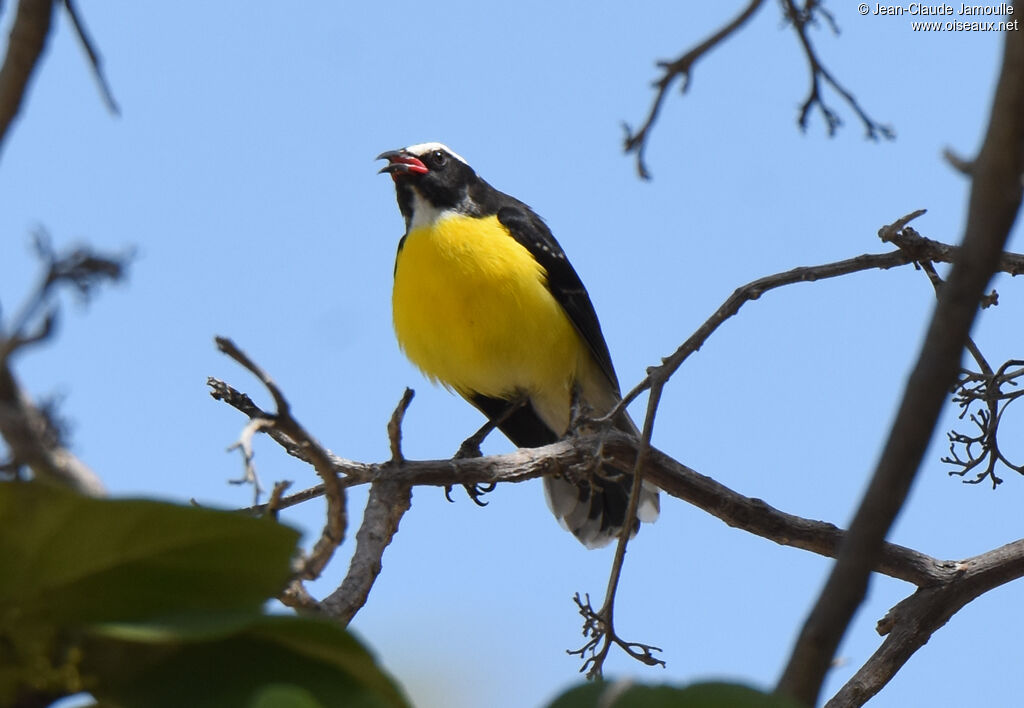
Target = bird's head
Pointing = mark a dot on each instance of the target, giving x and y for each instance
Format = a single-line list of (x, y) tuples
[(429, 177)]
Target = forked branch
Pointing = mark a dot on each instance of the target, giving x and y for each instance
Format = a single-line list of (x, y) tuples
[(800, 18)]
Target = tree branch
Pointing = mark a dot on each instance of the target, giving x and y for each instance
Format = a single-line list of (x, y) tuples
[(911, 623), (921, 249), (675, 479), (333, 533), (35, 442), (27, 41), (753, 515), (801, 18), (31, 432), (387, 503), (94, 57), (994, 203), (636, 141)]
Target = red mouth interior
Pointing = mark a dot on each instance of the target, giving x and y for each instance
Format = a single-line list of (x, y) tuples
[(413, 164)]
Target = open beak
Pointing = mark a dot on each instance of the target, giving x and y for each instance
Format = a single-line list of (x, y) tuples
[(401, 163)]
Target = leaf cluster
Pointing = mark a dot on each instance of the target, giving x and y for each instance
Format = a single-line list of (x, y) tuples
[(144, 603)]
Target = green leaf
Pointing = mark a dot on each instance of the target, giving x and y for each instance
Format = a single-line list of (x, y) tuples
[(623, 694), (278, 696), (235, 663), (156, 605), (77, 559)]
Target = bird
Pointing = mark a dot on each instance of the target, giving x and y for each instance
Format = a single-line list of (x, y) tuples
[(486, 302)]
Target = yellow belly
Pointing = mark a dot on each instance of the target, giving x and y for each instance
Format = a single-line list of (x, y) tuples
[(471, 309)]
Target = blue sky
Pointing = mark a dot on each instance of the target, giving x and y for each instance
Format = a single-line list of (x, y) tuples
[(242, 172)]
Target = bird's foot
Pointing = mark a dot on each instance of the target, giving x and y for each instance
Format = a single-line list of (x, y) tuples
[(475, 492)]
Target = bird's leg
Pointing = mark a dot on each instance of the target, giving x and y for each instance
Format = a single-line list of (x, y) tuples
[(582, 422), (471, 448), (581, 414)]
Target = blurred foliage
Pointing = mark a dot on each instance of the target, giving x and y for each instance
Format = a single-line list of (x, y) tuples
[(622, 694), (142, 603)]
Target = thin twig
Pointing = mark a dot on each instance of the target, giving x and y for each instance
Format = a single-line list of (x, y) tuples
[(395, 426), (800, 19), (274, 503), (244, 445), (95, 61), (333, 533), (681, 68), (957, 162), (752, 291), (600, 626)]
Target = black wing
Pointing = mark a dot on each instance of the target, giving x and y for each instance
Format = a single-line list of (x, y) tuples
[(531, 232)]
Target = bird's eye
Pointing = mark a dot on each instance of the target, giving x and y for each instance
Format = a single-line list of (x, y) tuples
[(439, 158)]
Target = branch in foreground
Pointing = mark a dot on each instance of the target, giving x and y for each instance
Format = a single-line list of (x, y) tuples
[(994, 203), (28, 37)]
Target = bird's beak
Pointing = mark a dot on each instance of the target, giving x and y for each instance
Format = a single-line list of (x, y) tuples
[(401, 163)]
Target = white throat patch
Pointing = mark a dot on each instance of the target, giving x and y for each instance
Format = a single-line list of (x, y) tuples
[(424, 148), (425, 214)]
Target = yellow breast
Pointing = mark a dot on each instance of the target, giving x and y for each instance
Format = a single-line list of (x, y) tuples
[(472, 309)]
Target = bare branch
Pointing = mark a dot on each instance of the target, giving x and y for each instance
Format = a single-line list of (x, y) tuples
[(600, 625), (35, 442), (985, 388), (800, 19), (911, 623), (922, 249), (94, 57), (274, 503), (600, 635), (27, 41), (675, 479), (912, 248), (31, 431), (387, 503), (958, 163), (359, 472), (994, 203), (583, 452), (244, 444), (395, 426), (636, 141), (333, 532), (752, 291)]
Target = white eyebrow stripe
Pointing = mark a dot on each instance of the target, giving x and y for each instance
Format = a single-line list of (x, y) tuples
[(424, 148)]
